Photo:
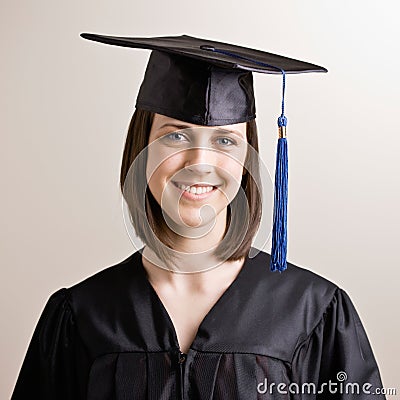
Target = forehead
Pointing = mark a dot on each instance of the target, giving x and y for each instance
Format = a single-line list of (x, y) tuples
[(162, 122)]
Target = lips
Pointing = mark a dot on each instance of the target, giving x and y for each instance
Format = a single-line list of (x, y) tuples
[(197, 188)]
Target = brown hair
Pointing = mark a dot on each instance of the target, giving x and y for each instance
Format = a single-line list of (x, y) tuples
[(146, 214)]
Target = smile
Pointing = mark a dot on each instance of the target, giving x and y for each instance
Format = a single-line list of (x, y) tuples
[(195, 191)]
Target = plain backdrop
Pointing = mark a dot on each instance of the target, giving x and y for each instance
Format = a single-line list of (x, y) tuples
[(65, 108)]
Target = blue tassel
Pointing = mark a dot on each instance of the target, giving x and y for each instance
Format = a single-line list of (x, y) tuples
[(279, 230)]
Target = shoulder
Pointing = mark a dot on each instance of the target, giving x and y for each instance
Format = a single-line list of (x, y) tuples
[(296, 279), (101, 288), (97, 303), (296, 297), (109, 276)]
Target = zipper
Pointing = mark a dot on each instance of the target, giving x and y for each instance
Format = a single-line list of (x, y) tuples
[(181, 362)]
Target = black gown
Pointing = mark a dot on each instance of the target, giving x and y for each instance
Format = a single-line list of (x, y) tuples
[(110, 337)]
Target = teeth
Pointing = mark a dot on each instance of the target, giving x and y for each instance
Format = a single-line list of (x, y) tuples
[(195, 189)]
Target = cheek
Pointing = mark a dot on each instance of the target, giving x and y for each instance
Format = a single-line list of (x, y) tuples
[(159, 174), (231, 164), (231, 172)]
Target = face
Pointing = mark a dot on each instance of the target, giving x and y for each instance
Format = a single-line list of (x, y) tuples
[(194, 171)]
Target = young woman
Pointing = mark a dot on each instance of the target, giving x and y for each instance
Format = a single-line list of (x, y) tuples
[(192, 315)]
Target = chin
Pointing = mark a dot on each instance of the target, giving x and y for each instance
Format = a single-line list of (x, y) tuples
[(193, 220)]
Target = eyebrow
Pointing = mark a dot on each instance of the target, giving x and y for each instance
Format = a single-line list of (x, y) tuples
[(182, 126), (179, 126)]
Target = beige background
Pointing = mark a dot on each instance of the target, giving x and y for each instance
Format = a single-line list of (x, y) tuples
[(66, 104)]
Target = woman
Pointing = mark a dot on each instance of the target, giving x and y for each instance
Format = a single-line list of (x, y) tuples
[(193, 188), (191, 315)]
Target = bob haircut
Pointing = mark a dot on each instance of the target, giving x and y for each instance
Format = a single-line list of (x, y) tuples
[(155, 232)]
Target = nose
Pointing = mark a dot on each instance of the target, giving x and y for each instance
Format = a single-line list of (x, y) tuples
[(200, 161)]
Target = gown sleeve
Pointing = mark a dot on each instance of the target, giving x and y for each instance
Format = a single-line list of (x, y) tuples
[(337, 350), (54, 364)]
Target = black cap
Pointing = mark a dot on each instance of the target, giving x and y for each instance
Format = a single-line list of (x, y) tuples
[(202, 81)]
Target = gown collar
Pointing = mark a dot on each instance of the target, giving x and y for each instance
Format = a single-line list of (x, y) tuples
[(214, 316)]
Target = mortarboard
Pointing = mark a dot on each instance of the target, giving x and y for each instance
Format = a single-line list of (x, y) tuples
[(210, 83)]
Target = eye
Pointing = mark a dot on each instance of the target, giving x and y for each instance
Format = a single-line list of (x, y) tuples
[(224, 141), (176, 137)]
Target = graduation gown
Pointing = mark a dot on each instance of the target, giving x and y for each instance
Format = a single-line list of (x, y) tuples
[(110, 337)]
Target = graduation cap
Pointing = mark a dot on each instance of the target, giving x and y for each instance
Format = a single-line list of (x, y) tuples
[(210, 83)]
